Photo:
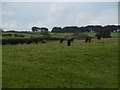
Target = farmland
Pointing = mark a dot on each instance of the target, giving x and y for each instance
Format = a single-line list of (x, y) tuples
[(55, 65)]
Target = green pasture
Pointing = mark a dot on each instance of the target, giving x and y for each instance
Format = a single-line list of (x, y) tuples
[(55, 65), (1, 67), (57, 35)]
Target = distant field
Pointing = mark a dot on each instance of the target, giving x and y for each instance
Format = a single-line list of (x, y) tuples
[(82, 65), (58, 35)]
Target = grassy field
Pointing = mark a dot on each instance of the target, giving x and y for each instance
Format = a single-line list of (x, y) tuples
[(0, 66), (58, 35), (52, 65)]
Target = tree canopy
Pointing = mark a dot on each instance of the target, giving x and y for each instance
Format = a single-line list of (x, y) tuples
[(89, 28), (38, 29)]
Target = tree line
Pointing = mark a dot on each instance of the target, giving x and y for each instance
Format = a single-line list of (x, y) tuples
[(71, 29), (90, 28)]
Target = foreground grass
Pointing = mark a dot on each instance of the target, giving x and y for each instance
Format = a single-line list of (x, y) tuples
[(83, 65), (0, 67)]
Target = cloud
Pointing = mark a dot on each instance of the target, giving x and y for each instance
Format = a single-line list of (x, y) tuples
[(106, 17), (9, 25), (58, 14), (8, 13), (54, 15)]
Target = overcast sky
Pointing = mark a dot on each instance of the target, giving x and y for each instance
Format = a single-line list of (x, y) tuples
[(24, 15)]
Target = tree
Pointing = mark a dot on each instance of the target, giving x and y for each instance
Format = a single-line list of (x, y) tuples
[(70, 29), (34, 29), (57, 30), (78, 35), (44, 30)]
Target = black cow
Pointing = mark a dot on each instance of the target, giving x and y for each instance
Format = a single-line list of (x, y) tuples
[(68, 42), (61, 40), (88, 39), (98, 37), (72, 39)]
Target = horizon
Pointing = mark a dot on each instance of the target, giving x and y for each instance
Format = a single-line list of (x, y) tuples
[(61, 27)]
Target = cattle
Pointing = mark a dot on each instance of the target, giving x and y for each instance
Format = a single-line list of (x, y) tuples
[(68, 42), (72, 39), (61, 40), (88, 39), (98, 37)]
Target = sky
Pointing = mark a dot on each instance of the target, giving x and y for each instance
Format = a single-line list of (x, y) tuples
[(22, 16)]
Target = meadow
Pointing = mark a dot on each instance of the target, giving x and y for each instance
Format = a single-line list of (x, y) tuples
[(55, 65)]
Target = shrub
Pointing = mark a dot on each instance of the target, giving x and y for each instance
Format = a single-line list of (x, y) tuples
[(78, 35), (104, 33), (19, 35), (26, 40), (6, 34)]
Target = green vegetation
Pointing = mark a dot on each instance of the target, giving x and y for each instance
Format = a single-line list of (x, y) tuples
[(105, 33), (1, 67), (82, 65), (58, 35)]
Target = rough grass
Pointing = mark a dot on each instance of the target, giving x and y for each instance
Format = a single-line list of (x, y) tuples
[(57, 35), (52, 65), (0, 66)]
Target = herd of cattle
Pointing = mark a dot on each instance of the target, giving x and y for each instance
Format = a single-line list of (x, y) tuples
[(70, 40), (42, 40)]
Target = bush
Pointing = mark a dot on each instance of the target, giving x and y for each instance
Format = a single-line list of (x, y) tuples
[(78, 35), (6, 34), (26, 40), (19, 35), (104, 33)]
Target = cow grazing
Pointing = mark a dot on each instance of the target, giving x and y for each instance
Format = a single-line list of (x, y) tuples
[(98, 37), (61, 40), (72, 39), (88, 39), (68, 42)]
